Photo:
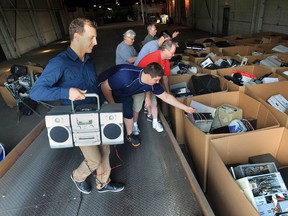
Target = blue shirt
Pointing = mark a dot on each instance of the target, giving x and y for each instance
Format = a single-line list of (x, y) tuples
[(63, 72), (149, 47), (125, 81)]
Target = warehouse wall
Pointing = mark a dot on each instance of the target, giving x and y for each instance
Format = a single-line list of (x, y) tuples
[(245, 16), (28, 24)]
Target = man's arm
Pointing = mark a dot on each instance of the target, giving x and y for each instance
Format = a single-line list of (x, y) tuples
[(107, 91), (132, 59), (168, 98), (165, 83)]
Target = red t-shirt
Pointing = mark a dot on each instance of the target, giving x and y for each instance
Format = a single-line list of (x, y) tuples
[(156, 57)]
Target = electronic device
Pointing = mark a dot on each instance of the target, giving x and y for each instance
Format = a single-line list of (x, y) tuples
[(254, 169), (111, 124), (85, 125), (58, 127)]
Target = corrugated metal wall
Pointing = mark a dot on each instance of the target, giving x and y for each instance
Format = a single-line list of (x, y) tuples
[(245, 16)]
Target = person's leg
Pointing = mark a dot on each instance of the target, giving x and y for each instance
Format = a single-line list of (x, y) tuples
[(128, 119), (92, 160), (104, 169), (138, 100), (155, 123)]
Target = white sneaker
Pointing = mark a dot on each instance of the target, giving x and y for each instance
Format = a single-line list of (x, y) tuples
[(157, 126), (135, 130)]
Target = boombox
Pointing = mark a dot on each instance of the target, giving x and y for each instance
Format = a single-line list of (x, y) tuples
[(85, 125)]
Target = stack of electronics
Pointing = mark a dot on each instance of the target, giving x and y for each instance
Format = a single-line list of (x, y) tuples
[(19, 82), (223, 119), (243, 78), (86, 125), (208, 63), (263, 186), (279, 102), (180, 90), (182, 68), (195, 46), (273, 61)]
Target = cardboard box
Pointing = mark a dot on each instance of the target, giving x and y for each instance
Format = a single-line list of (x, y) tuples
[(255, 60), (236, 37), (241, 51), (177, 125), (269, 34), (263, 92), (251, 41), (206, 41), (198, 141), (283, 72), (223, 193), (257, 71), (200, 56), (7, 96)]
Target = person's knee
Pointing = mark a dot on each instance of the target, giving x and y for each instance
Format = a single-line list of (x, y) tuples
[(93, 163), (153, 105)]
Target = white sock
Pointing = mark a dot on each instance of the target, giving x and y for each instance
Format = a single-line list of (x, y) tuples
[(155, 120), (135, 124)]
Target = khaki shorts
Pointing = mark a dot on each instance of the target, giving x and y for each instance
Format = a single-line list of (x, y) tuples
[(138, 100)]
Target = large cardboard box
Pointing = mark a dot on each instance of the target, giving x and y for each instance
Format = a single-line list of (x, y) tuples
[(223, 193), (7, 97), (263, 92), (241, 50), (207, 42), (176, 120), (283, 72), (198, 141), (200, 56), (257, 71), (176, 115), (251, 41), (255, 59)]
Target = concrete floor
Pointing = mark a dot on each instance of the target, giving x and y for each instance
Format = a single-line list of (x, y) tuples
[(13, 130)]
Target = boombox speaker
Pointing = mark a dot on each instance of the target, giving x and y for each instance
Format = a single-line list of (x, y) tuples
[(111, 123), (59, 128)]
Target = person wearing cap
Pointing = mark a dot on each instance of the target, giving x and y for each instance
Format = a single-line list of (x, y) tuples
[(125, 51)]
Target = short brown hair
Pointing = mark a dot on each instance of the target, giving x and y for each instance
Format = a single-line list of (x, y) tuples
[(154, 69), (77, 26)]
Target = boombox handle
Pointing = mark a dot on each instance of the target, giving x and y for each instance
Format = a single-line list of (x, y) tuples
[(88, 95)]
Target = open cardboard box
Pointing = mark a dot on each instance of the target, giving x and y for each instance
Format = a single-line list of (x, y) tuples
[(200, 56), (198, 142), (223, 193), (205, 42), (177, 125), (281, 56), (241, 50), (249, 41), (257, 71), (263, 92), (7, 96), (215, 58), (176, 115), (283, 72)]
